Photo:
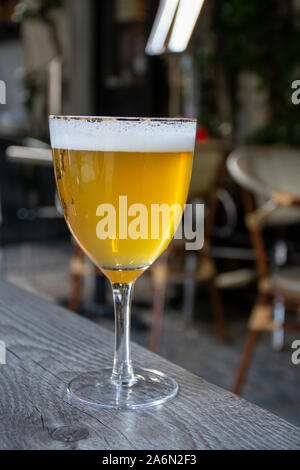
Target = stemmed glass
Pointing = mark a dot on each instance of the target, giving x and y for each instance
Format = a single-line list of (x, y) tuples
[(113, 176)]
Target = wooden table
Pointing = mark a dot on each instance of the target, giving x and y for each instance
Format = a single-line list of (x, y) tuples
[(47, 345)]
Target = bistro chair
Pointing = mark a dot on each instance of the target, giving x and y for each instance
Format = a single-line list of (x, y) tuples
[(269, 177), (208, 176)]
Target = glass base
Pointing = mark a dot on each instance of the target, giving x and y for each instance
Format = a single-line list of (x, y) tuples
[(96, 388)]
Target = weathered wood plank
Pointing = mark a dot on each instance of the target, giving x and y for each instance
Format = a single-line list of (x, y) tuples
[(48, 345)]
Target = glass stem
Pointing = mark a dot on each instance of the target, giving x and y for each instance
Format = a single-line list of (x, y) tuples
[(122, 373)]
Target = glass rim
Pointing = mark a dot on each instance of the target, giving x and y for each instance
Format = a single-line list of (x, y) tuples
[(119, 118)]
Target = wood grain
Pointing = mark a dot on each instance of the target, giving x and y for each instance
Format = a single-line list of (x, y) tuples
[(48, 345)]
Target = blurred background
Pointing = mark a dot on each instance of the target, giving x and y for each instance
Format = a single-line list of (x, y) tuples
[(229, 313)]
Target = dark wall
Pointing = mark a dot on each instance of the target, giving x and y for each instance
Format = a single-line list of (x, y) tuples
[(127, 82)]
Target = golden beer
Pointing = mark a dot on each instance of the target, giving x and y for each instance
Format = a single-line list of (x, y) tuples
[(102, 161), (86, 179)]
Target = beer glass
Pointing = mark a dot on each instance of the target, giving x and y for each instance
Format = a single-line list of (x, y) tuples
[(114, 175)]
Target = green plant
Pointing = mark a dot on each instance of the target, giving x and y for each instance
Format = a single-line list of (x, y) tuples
[(40, 10), (261, 36), (35, 9)]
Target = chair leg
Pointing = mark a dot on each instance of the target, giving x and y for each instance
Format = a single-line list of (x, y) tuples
[(247, 354), (218, 310), (99, 293), (260, 320), (76, 280), (159, 278), (191, 262)]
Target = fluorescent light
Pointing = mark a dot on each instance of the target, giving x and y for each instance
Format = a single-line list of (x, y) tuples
[(161, 26), (186, 17)]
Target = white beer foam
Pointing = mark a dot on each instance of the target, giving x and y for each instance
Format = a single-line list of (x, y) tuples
[(123, 136)]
